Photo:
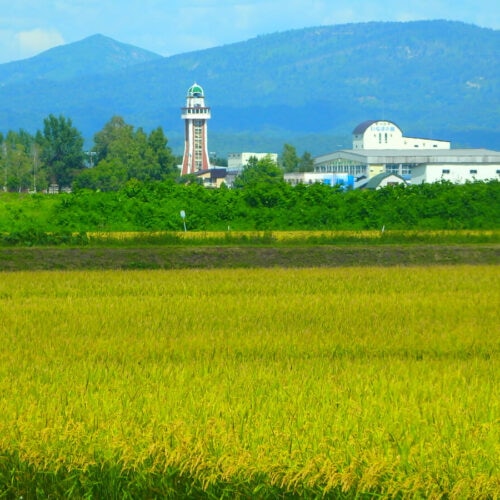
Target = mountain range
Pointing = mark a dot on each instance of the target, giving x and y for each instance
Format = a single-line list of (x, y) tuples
[(308, 87)]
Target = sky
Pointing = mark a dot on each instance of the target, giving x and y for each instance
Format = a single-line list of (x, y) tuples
[(169, 27)]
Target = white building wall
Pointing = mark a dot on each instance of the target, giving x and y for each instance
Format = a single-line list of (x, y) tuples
[(236, 161), (295, 178), (456, 173), (379, 135), (387, 135), (413, 142)]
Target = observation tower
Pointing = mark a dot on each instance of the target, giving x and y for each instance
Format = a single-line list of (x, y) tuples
[(195, 116)]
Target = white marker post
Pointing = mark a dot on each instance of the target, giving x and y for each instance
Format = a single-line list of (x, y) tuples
[(183, 215)]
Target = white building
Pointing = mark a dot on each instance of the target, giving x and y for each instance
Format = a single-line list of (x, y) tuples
[(458, 166), (330, 179), (381, 180), (415, 160), (382, 134), (237, 161)]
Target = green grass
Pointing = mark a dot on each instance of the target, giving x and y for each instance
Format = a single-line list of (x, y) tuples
[(34, 237)]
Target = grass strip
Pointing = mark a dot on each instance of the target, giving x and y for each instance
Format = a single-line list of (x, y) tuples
[(181, 257)]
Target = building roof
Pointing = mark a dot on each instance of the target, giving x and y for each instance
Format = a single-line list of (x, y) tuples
[(195, 91), (376, 180), (361, 128), (213, 173), (416, 155)]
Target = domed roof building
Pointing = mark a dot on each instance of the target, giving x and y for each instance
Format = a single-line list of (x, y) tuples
[(384, 134), (379, 147)]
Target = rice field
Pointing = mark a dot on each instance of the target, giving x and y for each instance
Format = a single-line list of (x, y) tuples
[(259, 383), (293, 237)]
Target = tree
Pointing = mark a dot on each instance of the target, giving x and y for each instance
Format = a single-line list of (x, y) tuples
[(289, 158), (134, 153), (113, 140), (158, 143), (20, 163), (108, 175), (255, 172), (306, 162), (62, 149)]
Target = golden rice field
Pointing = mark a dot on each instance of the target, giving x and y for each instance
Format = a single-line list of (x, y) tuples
[(259, 383), (300, 236)]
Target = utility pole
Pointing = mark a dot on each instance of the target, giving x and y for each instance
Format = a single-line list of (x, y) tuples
[(4, 150), (35, 166)]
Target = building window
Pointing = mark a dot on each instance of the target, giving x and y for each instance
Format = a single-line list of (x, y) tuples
[(473, 172), (445, 171)]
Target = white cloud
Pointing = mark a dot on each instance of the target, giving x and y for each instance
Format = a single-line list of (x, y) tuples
[(37, 40)]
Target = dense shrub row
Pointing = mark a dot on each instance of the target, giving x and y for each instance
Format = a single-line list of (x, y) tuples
[(157, 206)]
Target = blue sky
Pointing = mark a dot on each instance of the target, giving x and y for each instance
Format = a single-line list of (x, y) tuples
[(167, 27)]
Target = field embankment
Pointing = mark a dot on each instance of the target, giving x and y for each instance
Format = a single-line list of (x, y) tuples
[(173, 250), (185, 257)]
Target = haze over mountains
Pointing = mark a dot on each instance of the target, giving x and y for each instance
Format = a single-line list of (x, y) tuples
[(308, 87)]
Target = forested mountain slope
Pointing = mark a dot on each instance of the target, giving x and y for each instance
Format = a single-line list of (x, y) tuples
[(433, 78)]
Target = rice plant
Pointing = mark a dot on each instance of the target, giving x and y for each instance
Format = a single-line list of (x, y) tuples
[(262, 382)]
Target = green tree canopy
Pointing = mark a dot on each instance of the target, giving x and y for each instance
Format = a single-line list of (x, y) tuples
[(19, 162), (114, 140), (62, 149), (124, 153), (289, 158), (306, 162), (257, 172)]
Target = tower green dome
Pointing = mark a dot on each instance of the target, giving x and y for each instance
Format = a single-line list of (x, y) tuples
[(195, 91)]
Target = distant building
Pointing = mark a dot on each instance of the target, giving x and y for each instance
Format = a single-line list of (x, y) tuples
[(459, 166), (214, 177), (381, 180), (382, 134), (237, 161), (379, 147), (345, 180), (195, 115)]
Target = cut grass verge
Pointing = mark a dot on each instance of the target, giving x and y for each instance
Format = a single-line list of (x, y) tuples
[(207, 257)]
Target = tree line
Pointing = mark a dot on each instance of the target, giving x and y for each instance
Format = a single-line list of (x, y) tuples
[(120, 152), (129, 181)]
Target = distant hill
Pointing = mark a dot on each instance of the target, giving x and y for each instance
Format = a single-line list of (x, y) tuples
[(94, 55), (309, 87)]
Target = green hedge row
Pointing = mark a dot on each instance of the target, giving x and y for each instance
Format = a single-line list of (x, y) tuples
[(156, 206)]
